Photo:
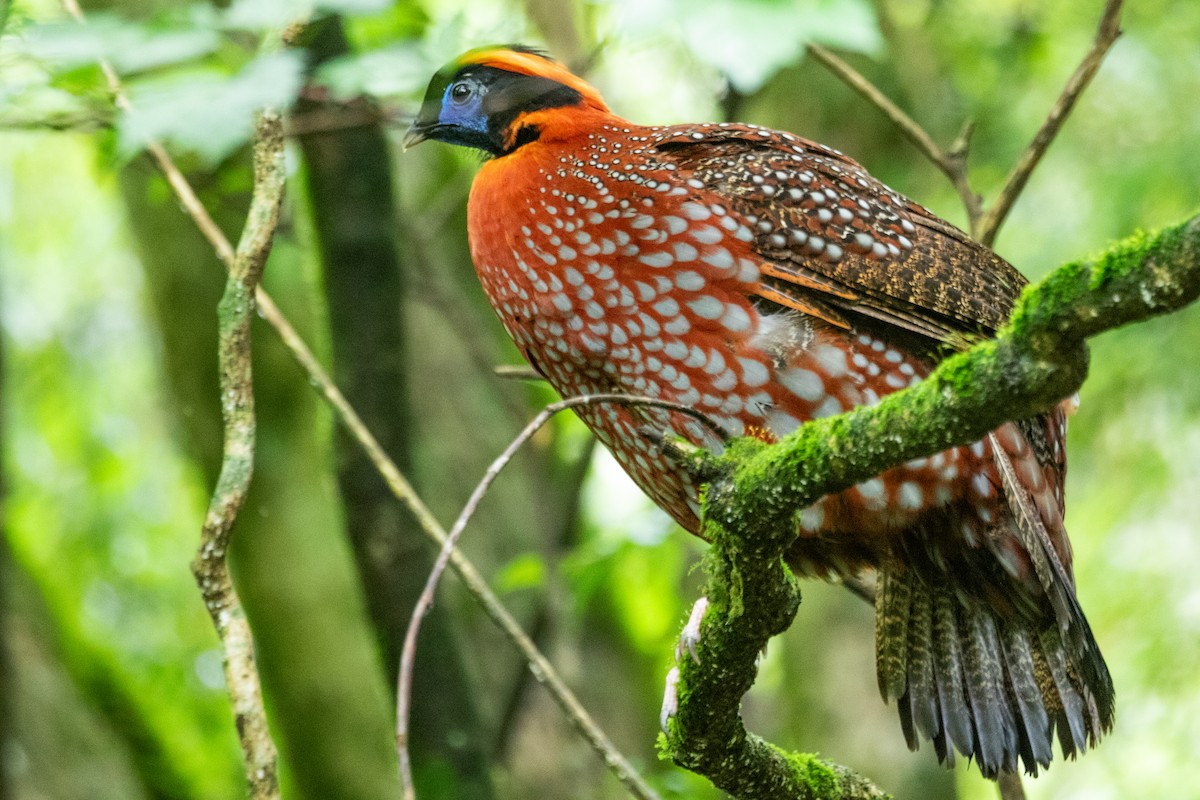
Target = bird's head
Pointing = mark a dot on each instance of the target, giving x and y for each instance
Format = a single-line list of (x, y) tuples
[(497, 99)]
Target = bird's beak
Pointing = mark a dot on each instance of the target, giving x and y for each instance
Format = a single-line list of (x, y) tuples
[(416, 134)]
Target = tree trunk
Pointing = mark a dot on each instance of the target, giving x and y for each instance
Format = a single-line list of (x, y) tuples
[(349, 187)]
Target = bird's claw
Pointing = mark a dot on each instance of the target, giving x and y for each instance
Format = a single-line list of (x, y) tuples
[(670, 703), (689, 637)]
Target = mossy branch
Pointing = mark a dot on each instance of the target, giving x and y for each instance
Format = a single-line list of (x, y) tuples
[(755, 489)]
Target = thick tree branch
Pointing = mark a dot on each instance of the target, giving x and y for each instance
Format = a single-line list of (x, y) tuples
[(755, 489)]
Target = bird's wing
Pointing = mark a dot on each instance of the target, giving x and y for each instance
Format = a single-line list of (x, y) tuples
[(836, 243)]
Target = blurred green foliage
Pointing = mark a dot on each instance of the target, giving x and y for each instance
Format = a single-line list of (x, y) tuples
[(105, 494)]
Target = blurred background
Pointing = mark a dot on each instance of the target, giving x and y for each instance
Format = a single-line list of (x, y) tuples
[(110, 674)]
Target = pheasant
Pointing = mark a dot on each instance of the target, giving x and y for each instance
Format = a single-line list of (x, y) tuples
[(766, 280)]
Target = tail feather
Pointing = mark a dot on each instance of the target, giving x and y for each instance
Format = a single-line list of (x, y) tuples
[(948, 665), (924, 706), (1071, 724), (995, 738), (993, 689), (892, 603), (1036, 744)]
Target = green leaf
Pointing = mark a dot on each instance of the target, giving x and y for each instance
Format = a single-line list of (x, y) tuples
[(206, 112)]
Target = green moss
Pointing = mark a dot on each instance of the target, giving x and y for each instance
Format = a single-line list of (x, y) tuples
[(814, 772)]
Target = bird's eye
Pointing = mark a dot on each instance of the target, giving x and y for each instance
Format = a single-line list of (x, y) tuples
[(460, 91)]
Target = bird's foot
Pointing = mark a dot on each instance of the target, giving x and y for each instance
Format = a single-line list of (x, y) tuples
[(689, 637)]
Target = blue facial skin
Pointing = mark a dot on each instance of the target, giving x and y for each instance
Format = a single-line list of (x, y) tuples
[(465, 112), (458, 116)]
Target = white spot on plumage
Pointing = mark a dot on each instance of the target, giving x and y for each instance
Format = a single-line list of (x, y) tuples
[(667, 307), (695, 211), (831, 407), (714, 363), (650, 325), (781, 423), (754, 373), (812, 518), (725, 381), (677, 326), (707, 307), (675, 225), (804, 383), (689, 281), (658, 259), (873, 493), (706, 234), (832, 360), (718, 257), (684, 252), (736, 318), (910, 496)]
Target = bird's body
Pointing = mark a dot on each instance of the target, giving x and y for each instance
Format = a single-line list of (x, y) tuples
[(766, 280)]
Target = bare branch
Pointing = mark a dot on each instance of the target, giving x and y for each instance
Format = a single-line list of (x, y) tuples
[(953, 163), (408, 655), (517, 372), (1106, 33), (1009, 785)]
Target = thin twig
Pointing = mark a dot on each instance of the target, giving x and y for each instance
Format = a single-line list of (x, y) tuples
[(517, 372), (1106, 33), (425, 601), (397, 483), (952, 162)]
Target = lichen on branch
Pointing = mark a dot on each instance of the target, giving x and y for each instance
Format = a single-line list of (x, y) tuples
[(754, 489)]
